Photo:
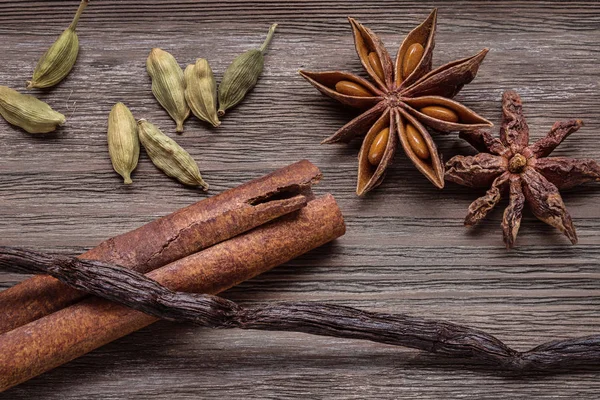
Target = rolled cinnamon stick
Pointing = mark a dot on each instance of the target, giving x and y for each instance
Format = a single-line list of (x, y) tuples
[(170, 238), (50, 341)]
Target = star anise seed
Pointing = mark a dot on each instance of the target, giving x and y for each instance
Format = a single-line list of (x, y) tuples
[(525, 171), (407, 97)]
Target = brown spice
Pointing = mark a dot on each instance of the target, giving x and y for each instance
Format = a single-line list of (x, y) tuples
[(71, 332), (525, 171), (407, 97), (170, 238)]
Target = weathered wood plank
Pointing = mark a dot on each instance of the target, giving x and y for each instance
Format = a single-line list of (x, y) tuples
[(406, 249)]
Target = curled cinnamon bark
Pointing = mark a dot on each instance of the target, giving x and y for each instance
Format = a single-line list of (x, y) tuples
[(144, 294), (69, 333), (171, 238)]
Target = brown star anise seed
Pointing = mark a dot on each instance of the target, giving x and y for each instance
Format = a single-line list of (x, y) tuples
[(406, 97), (526, 171)]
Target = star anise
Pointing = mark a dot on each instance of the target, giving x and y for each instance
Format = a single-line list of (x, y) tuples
[(406, 97), (525, 171)]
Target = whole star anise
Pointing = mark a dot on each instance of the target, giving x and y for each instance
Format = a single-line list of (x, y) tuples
[(406, 97), (526, 171)]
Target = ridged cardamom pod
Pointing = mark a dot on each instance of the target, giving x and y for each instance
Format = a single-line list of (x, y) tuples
[(168, 85), (123, 141), (168, 156), (242, 74), (58, 61), (28, 112), (201, 91)]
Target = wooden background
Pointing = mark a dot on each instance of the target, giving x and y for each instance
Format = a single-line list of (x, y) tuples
[(406, 249)]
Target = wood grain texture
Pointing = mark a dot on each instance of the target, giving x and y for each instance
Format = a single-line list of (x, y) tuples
[(405, 250)]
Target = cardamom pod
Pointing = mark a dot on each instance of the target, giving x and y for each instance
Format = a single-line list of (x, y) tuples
[(168, 156), (242, 74), (168, 85), (123, 141), (28, 112), (58, 61), (201, 91)]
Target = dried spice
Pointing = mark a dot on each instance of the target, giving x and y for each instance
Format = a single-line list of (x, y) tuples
[(510, 164), (241, 76), (82, 327), (406, 98), (168, 85), (168, 156), (141, 293), (201, 91), (58, 61), (123, 141), (27, 112), (172, 237)]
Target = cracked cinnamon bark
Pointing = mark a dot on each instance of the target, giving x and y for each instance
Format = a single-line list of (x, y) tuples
[(170, 238), (73, 331)]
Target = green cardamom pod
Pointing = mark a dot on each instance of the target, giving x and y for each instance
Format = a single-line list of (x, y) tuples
[(28, 112), (168, 85), (168, 156), (242, 74), (123, 141), (201, 91), (58, 61)]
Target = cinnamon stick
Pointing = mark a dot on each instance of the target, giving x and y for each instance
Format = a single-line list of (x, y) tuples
[(50, 341), (170, 238)]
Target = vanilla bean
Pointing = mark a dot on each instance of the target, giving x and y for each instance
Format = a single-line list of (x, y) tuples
[(139, 292)]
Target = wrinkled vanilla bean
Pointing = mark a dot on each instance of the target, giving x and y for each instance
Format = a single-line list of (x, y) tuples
[(137, 291)]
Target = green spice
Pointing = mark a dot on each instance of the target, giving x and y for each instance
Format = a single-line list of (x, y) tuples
[(168, 156), (168, 85), (201, 91), (241, 76), (58, 61), (123, 141), (27, 112)]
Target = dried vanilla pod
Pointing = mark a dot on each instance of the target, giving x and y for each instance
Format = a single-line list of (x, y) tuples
[(123, 141), (511, 165), (201, 91), (168, 156), (59, 59), (27, 112), (241, 76), (140, 292), (168, 85), (406, 98)]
